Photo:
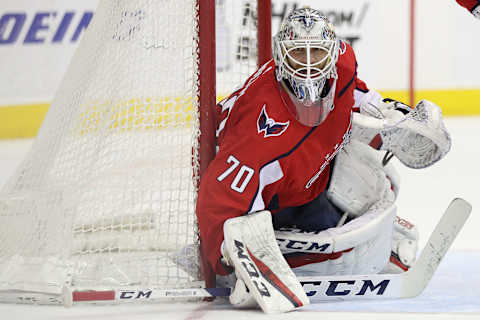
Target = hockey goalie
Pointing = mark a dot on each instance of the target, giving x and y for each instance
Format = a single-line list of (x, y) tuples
[(301, 183)]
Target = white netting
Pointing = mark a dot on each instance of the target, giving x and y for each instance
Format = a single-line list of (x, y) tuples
[(106, 195), (236, 35)]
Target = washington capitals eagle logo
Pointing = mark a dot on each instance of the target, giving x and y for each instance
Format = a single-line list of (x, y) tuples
[(269, 126)]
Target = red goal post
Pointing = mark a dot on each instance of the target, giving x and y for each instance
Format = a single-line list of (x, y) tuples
[(207, 66)]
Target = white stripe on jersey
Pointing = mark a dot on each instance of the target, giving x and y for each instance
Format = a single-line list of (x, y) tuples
[(269, 174)]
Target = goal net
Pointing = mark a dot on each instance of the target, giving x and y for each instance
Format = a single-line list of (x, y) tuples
[(106, 196)]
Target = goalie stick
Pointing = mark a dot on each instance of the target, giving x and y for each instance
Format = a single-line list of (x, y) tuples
[(351, 287)]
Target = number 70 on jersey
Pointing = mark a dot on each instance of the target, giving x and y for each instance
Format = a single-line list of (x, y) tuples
[(242, 176)]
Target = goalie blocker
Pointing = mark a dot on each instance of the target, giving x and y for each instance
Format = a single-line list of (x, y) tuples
[(262, 273)]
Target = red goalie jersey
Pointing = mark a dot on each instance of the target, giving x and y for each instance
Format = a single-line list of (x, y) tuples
[(265, 156)]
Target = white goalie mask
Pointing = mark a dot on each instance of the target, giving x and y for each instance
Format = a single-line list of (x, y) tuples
[(305, 53)]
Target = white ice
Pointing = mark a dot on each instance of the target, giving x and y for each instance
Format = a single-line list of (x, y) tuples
[(453, 293)]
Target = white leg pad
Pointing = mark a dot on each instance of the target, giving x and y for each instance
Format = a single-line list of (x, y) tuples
[(250, 247)]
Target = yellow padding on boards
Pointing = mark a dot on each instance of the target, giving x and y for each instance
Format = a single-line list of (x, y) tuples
[(134, 114), (23, 121), (453, 102)]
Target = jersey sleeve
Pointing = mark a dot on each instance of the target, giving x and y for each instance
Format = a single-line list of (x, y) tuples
[(229, 188)]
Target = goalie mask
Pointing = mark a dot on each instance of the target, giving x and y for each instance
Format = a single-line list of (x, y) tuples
[(305, 53)]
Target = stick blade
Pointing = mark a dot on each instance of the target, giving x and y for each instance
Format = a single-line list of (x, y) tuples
[(438, 244), (461, 207)]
